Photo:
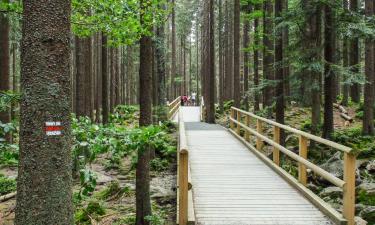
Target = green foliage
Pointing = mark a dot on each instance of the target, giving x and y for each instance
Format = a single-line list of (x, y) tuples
[(353, 138), (88, 183), (228, 105), (7, 185), (124, 115), (365, 198), (119, 20), (159, 165), (93, 210), (112, 189), (6, 100)]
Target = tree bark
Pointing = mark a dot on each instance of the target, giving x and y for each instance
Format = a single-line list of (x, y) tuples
[(4, 62), (329, 55), (355, 89), (44, 184), (268, 72), (236, 54), (246, 56), (143, 202), (105, 80), (368, 116), (256, 61)]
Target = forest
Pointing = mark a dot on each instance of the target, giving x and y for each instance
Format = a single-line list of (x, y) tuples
[(86, 86)]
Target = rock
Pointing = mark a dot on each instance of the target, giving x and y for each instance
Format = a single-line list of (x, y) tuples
[(371, 166), (335, 165), (163, 187), (360, 221), (369, 188), (102, 178), (332, 192), (359, 208), (313, 187), (368, 214)]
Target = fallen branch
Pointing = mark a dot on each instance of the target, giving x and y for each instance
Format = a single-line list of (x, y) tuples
[(346, 117), (8, 196), (341, 108)]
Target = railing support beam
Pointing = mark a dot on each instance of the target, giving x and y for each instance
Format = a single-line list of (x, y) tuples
[(349, 188)]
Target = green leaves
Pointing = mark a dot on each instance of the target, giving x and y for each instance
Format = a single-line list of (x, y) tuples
[(118, 19)]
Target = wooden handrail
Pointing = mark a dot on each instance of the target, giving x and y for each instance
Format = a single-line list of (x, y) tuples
[(185, 212), (348, 184), (173, 107), (298, 132)]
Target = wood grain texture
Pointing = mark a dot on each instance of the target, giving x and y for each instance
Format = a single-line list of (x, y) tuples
[(232, 186)]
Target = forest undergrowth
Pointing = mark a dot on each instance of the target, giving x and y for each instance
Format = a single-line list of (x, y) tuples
[(103, 166)]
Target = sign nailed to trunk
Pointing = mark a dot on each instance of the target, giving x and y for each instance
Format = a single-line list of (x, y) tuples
[(53, 128)]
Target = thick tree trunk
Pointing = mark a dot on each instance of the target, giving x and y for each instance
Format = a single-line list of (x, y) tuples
[(4, 62), (44, 184), (160, 61), (236, 54), (246, 56), (174, 59), (210, 85), (268, 72), (105, 80), (279, 73), (345, 56), (143, 202), (256, 61), (329, 56), (368, 116), (355, 89)]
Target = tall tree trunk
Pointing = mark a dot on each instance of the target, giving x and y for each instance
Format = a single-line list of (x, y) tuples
[(4, 62), (105, 80), (98, 78), (368, 116), (236, 54), (143, 202), (268, 72), (279, 73), (329, 56), (174, 60), (160, 61), (345, 56), (256, 61), (82, 53), (355, 89), (246, 56), (44, 183), (221, 56), (286, 60), (210, 85)]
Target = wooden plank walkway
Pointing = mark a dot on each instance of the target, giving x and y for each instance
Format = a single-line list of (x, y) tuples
[(232, 186)]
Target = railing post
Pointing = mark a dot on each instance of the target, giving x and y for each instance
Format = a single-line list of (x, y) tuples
[(349, 188), (238, 131), (232, 116), (276, 151), (247, 122), (260, 131), (302, 174), (183, 187)]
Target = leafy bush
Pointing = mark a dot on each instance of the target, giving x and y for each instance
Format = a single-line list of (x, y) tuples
[(353, 138), (93, 210), (7, 185), (124, 114), (158, 164)]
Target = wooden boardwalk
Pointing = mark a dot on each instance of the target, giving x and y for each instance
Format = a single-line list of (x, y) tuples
[(232, 186)]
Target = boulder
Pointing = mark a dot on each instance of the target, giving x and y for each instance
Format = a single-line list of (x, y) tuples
[(369, 188), (360, 221), (332, 192), (371, 166), (334, 165)]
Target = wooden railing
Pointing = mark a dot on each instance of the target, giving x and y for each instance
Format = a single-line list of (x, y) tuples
[(185, 211), (240, 119), (173, 107)]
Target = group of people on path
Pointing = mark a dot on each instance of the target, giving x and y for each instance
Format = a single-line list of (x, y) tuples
[(189, 100)]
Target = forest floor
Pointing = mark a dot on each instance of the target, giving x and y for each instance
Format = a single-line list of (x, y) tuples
[(109, 199)]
